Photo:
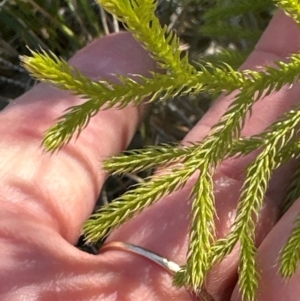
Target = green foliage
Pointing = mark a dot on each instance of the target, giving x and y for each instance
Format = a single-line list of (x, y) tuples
[(225, 21), (290, 254), (235, 8), (277, 144), (293, 192), (141, 20), (61, 26)]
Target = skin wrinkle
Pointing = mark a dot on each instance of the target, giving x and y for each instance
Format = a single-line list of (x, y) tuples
[(41, 197), (152, 275), (82, 154), (115, 266), (24, 248), (29, 204), (82, 158), (42, 119)]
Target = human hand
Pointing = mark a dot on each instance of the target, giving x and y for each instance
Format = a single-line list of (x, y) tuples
[(45, 199)]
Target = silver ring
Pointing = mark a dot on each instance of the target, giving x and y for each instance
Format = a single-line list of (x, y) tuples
[(168, 265)]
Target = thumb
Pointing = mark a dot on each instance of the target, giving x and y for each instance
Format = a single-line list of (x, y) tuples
[(46, 187)]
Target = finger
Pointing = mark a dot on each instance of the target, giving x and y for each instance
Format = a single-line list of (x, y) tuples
[(271, 285), (265, 111), (163, 228), (45, 187), (38, 264)]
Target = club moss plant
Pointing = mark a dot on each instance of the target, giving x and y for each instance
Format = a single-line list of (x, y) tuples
[(278, 144)]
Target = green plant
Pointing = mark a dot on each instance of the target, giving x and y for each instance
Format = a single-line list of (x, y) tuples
[(278, 143)]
